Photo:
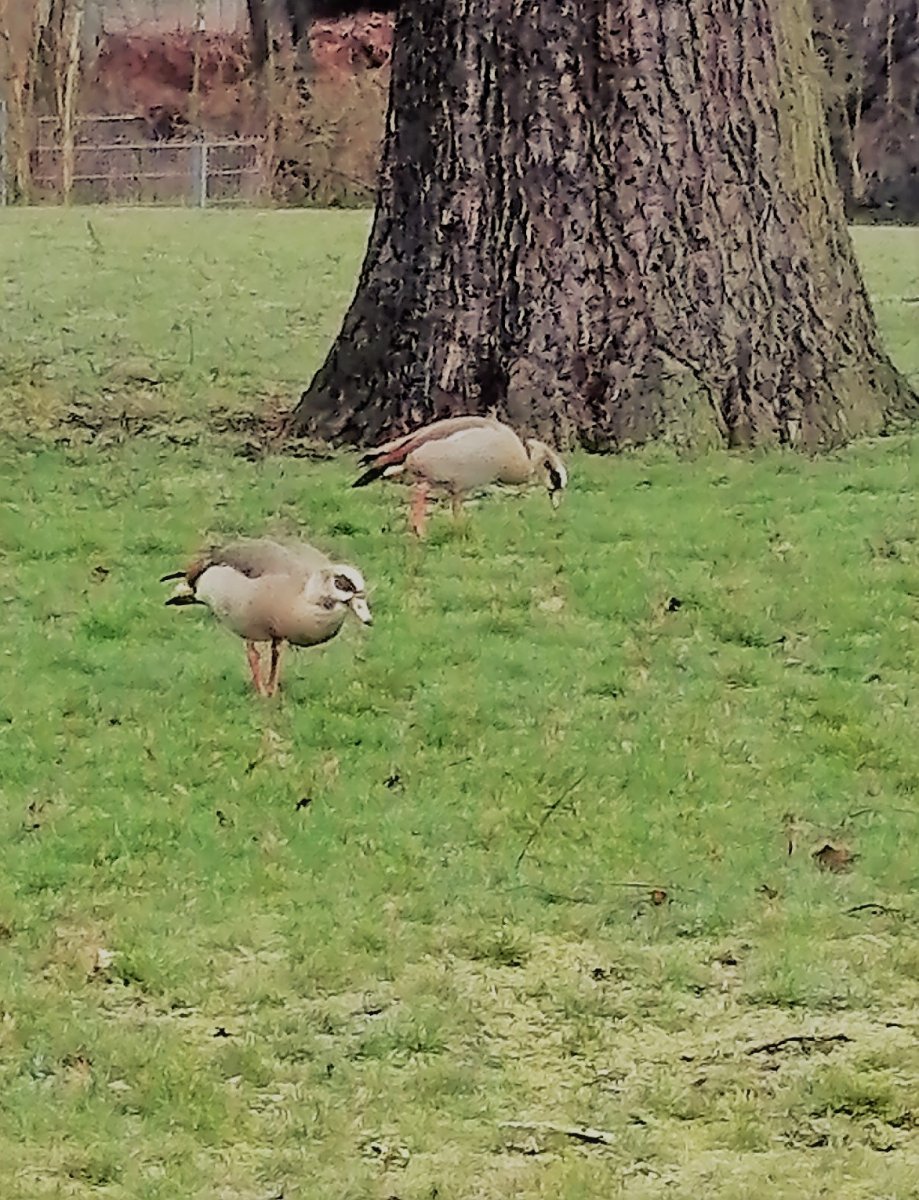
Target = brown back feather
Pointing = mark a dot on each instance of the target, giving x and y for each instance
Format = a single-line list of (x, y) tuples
[(252, 558), (397, 451)]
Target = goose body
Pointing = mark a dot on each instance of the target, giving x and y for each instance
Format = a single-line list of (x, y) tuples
[(265, 591), (460, 454)]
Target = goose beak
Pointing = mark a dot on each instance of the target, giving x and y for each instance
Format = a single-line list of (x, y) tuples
[(361, 610), (555, 497)]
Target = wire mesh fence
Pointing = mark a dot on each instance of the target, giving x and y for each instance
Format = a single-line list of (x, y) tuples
[(120, 159)]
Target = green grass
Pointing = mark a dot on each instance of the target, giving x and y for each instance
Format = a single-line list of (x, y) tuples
[(393, 983), (167, 314), (141, 317)]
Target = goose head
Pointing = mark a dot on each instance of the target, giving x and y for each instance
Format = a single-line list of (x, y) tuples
[(345, 586), (549, 468)]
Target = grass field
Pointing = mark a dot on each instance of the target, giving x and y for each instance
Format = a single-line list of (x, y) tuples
[(538, 847)]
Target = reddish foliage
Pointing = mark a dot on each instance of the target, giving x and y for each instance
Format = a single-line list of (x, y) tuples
[(154, 72), (356, 43)]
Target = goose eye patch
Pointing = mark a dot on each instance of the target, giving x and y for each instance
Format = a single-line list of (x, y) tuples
[(344, 584)]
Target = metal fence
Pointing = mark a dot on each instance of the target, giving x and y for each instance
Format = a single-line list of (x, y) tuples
[(119, 159)]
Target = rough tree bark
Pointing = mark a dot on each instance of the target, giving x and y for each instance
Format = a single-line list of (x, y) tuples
[(612, 221)]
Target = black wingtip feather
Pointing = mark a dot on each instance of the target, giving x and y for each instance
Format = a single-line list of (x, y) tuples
[(368, 477), (173, 575), (180, 600)]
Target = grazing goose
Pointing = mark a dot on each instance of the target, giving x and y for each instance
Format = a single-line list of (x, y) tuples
[(459, 454), (268, 592)]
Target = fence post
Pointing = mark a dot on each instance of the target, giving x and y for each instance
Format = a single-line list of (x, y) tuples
[(3, 167), (199, 173)]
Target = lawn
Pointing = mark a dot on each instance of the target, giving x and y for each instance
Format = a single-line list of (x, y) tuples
[(536, 850)]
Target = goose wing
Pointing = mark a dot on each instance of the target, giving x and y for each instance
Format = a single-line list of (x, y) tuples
[(394, 453), (254, 557)]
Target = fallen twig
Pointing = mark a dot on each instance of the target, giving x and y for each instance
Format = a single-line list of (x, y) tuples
[(873, 907), (878, 809), (549, 896), (560, 898), (546, 815), (804, 1040), (593, 1137)]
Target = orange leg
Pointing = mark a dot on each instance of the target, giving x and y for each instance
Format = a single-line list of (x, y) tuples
[(418, 513), (255, 666), (275, 672)]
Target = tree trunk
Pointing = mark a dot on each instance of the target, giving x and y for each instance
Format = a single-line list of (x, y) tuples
[(612, 221), (66, 87), (269, 26), (258, 34)]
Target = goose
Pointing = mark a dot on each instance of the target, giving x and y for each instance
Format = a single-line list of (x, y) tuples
[(459, 454), (268, 592)]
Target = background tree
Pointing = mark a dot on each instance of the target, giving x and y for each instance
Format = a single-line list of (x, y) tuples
[(871, 49), (273, 22), (21, 27), (40, 52), (611, 221)]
